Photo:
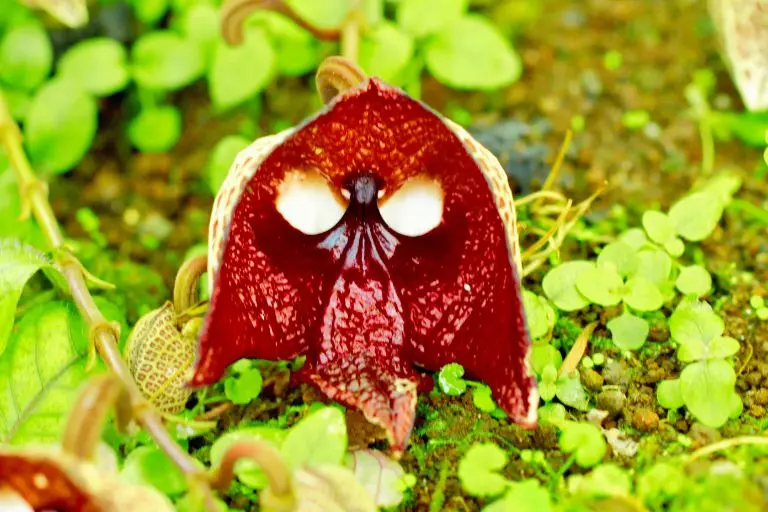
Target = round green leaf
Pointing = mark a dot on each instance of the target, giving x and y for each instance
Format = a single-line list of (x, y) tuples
[(622, 256), (695, 322), (696, 216), (601, 285), (60, 126), (222, 158), (99, 65), (423, 17), (155, 130), (642, 295), (543, 356), (320, 438), (482, 398), (560, 285), (479, 470), (239, 73), (449, 378), (149, 465), (634, 237), (471, 54), (164, 60), (675, 247), (658, 226), (722, 347), (26, 56), (707, 387), (18, 102), (629, 332), (585, 440), (571, 393), (694, 280), (655, 265), (668, 394), (245, 387), (150, 11), (385, 52)]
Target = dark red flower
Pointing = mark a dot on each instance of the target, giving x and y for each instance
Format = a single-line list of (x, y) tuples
[(376, 238)]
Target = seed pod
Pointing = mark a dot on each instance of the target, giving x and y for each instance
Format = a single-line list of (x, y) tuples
[(158, 356)]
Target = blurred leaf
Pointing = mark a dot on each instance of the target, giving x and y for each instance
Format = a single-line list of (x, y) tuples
[(424, 17), (585, 441), (601, 285), (523, 496), (696, 216), (603, 481), (60, 126), (319, 438), (239, 73), (694, 279), (147, 465), (385, 51), (378, 474), (297, 52), (373, 10), (471, 54), (543, 356), (641, 294), (18, 102), (629, 332), (201, 24), (10, 208), (621, 255), (150, 11), (321, 13), (18, 263), (164, 60), (538, 312), (26, 56), (155, 130), (99, 65), (571, 393), (221, 159), (668, 394), (40, 373), (479, 470)]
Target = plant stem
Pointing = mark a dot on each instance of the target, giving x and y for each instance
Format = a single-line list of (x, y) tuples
[(102, 334), (350, 31)]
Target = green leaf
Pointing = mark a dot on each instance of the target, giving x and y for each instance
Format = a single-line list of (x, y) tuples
[(693, 321), (543, 356), (247, 471), (10, 208), (603, 481), (200, 23), (601, 285), (221, 159), (694, 280), (571, 392), (373, 10), (471, 54), (321, 13), (523, 496), (642, 295), (245, 387), (424, 17), (552, 413), (41, 372), (658, 226), (18, 102), (560, 285), (655, 265), (483, 399), (319, 438), (239, 73), (155, 130), (629, 332), (297, 52), (634, 237), (165, 61), (669, 395), (675, 247), (150, 11), (585, 441), (479, 470), (99, 65), (621, 255), (661, 481), (449, 378), (60, 126), (147, 465), (26, 56), (18, 263), (696, 216), (722, 347), (539, 314), (385, 52), (707, 387)]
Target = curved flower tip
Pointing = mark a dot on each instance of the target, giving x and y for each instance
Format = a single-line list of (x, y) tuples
[(375, 238)]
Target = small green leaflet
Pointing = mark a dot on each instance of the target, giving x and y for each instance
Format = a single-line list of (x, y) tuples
[(18, 263), (479, 470)]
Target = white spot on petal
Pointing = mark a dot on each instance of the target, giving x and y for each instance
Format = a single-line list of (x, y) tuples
[(308, 203), (416, 208)]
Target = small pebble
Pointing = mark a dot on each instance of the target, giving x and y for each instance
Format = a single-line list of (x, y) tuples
[(645, 420), (612, 401), (616, 374), (760, 397), (591, 379)]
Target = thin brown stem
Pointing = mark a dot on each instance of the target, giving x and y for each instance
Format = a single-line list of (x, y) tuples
[(262, 453), (186, 291), (104, 335), (235, 12)]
